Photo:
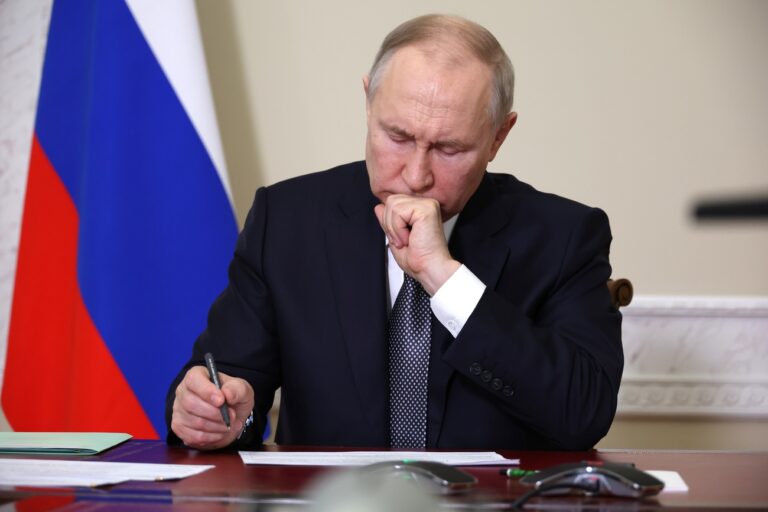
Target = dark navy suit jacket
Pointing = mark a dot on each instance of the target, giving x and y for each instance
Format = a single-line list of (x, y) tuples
[(537, 365)]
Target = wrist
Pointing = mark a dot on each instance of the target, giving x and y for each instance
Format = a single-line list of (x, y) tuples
[(436, 275)]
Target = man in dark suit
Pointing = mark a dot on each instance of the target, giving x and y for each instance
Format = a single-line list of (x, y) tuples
[(523, 346)]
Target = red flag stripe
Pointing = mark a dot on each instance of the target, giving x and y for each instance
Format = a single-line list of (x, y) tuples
[(52, 343)]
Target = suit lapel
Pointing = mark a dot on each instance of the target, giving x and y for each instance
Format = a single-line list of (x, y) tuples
[(473, 242), (355, 249), (474, 245)]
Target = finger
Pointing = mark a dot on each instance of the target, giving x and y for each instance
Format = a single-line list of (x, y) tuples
[(234, 388), (192, 403), (383, 214), (401, 228), (202, 439), (379, 211), (187, 423), (189, 405), (419, 216), (199, 423), (198, 432), (199, 382), (240, 396), (397, 216)]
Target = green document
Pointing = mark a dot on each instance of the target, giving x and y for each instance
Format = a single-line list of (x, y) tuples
[(61, 443)]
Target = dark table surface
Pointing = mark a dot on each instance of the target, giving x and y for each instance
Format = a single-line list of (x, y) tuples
[(717, 480)]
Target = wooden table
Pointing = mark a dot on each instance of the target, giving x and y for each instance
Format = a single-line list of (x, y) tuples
[(717, 481)]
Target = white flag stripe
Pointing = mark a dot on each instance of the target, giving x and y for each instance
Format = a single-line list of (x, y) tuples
[(172, 31)]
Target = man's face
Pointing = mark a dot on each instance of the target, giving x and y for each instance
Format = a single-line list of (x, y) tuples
[(429, 131)]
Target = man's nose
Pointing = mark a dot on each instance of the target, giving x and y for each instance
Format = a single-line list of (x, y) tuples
[(417, 173)]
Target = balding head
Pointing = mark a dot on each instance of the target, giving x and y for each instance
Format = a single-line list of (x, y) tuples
[(452, 39)]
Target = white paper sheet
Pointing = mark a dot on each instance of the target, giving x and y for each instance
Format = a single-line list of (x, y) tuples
[(673, 482), (67, 473), (362, 458)]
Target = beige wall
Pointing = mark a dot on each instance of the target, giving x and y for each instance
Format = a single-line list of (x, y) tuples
[(638, 107), (687, 434)]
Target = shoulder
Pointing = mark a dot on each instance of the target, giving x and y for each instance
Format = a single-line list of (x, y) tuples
[(524, 201), (548, 221), (548, 231), (314, 191), (516, 192), (308, 200), (336, 178)]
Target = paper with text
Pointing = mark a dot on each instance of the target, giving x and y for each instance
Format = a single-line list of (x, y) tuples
[(69, 473), (356, 458)]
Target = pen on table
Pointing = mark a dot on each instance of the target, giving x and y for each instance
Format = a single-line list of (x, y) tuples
[(516, 472), (214, 375)]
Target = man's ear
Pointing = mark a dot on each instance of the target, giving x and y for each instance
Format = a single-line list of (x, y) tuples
[(502, 132)]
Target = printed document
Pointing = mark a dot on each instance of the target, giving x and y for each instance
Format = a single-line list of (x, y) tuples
[(357, 458), (76, 473)]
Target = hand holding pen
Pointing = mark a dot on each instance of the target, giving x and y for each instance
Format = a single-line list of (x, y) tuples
[(199, 411)]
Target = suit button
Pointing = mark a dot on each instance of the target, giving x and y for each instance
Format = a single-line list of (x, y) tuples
[(475, 369), (496, 384), (507, 391), (486, 376)]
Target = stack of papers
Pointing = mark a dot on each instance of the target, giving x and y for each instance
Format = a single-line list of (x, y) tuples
[(68, 473), (59, 443), (36, 472)]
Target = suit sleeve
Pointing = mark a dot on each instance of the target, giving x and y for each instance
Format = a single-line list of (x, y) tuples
[(241, 326), (555, 368)]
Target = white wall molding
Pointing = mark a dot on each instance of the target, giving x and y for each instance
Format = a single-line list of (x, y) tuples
[(687, 396), (696, 306), (695, 356)]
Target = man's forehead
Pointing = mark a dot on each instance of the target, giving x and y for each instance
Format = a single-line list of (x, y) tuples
[(415, 90), (411, 71)]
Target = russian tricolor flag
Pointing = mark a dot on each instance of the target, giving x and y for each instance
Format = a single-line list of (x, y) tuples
[(128, 224)]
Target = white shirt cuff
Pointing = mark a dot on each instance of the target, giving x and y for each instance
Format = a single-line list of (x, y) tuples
[(455, 301)]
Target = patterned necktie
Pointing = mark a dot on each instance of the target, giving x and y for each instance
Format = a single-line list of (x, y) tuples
[(409, 333)]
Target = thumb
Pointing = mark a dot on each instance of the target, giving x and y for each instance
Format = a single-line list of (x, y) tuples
[(232, 389), (238, 392)]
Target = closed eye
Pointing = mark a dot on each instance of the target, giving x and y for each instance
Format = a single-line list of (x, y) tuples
[(449, 149), (396, 134), (398, 137)]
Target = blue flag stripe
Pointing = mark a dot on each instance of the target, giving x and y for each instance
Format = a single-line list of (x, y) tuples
[(156, 227)]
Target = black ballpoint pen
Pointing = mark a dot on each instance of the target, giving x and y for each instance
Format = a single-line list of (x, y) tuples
[(214, 375)]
